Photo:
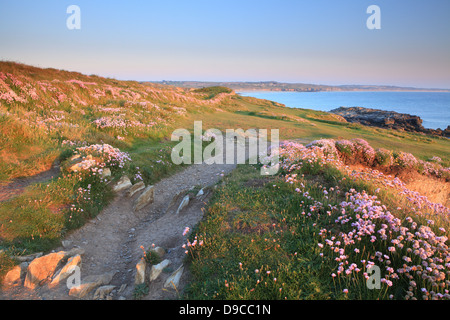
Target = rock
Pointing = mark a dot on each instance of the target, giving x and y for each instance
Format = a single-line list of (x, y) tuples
[(73, 252), (148, 196), (83, 165), (122, 184), (140, 272), (183, 204), (103, 291), (158, 268), (29, 258), (66, 243), (76, 157), (106, 172), (42, 269), (13, 277), (386, 119), (90, 283), (67, 270), (200, 193), (122, 288), (136, 188), (159, 251), (446, 132), (173, 280)]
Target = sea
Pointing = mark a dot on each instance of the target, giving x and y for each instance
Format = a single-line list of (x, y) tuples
[(432, 107)]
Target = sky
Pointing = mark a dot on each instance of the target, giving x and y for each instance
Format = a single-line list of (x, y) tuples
[(304, 41)]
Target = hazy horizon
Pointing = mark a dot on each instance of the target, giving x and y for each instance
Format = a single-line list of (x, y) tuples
[(320, 42), (291, 82)]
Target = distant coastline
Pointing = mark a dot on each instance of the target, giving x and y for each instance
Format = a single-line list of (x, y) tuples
[(387, 119), (292, 87)]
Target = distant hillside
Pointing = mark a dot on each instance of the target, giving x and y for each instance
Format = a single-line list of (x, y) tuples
[(294, 87)]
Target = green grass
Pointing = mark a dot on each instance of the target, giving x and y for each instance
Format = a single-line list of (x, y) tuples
[(260, 240), (254, 245), (211, 92)]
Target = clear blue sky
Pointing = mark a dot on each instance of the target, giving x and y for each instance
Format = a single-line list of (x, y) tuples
[(324, 42)]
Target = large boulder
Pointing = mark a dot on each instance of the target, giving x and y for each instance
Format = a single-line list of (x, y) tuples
[(67, 270), (42, 269)]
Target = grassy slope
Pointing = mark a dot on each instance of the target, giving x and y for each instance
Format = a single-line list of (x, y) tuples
[(248, 113)]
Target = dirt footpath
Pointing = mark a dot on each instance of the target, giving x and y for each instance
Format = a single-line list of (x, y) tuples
[(112, 241)]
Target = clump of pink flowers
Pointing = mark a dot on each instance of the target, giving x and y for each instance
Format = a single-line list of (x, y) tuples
[(365, 232), (108, 155)]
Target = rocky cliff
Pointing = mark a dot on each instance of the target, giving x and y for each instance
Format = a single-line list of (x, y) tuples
[(387, 119)]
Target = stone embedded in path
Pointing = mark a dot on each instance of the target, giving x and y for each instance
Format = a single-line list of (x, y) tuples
[(122, 184), (103, 292), (83, 165), (174, 279), (200, 193), (66, 243), (158, 268), (90, 283), (183, 204), (147, 197), (67, 270), (42, 269), (136, 188), (140, 272), (73, 252), (122, 288)]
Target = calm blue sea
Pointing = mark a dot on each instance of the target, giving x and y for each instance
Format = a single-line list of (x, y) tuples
[(432, 107)]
